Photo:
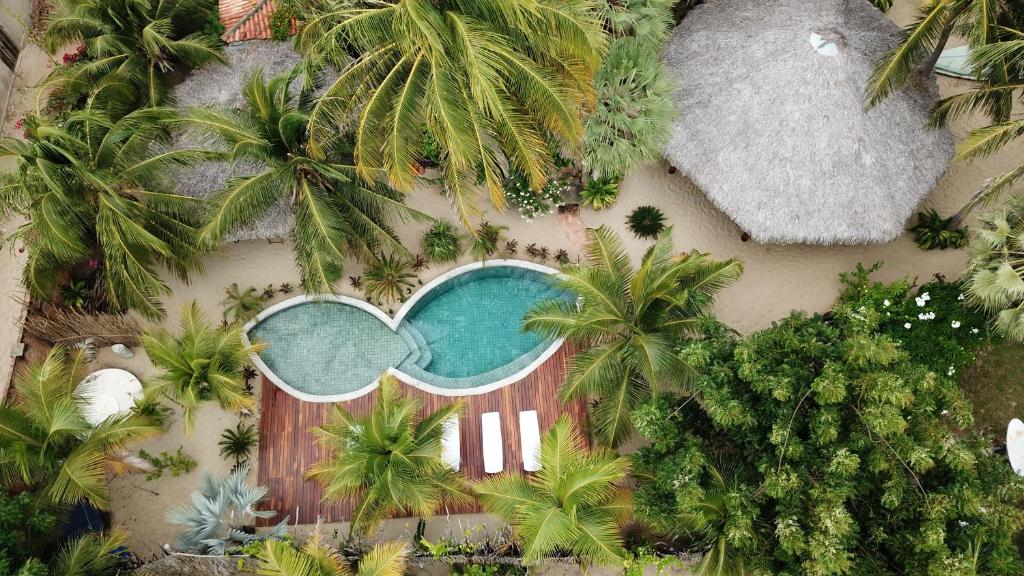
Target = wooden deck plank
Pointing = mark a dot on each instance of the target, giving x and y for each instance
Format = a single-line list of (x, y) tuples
[(288, 448)]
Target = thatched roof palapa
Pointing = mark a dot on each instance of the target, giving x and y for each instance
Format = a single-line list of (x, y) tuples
[(772, 124)]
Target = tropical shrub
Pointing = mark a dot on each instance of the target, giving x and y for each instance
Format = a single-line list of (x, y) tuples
[(630, 124), (646, 222), (317, 558), (92, 198), (532, 203), (389, 278), (238, 442), (626, 323), (995, 277), (841, 454), (92, 554), (391, 457), (600, 193), (337, 215), (933, 231), (177, 463), (487, 239), (220, 513), (491, 81), (28, 529), (575, 504), (241, 305), (46, 445), (201, 363), (442, 243), (649, 20), (136, 45)]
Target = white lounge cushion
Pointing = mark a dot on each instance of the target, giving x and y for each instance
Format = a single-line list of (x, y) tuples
[(529, 436), (493, 447), (451, 443), (1015, 445)]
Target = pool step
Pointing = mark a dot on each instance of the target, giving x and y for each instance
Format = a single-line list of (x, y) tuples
[(420, 352)]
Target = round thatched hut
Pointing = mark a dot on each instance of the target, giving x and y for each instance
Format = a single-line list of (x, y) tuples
[(772, 124)]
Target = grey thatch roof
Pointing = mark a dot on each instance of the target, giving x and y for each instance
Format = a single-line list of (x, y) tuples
[(772, 126), (220, 86)]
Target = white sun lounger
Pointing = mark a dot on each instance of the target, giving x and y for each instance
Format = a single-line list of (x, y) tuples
[(493, 447), (451, 443), (529, 436)]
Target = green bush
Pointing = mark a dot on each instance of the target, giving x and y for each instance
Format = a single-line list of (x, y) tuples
[(533, 203), (600, 193), (933, 231), (487, 239), (441, 243), (177, 463), (646, 222)]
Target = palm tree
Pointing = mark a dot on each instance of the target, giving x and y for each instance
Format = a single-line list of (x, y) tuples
[(627, 322), (92, 554), (711, 518), (47, 445), (237, 442), (389, 278), (241, 305), (88, 188), (995, 277), (575, 504), (131, 43), (316, 558), (390, 459), (202, 363), (490, 80), (336, 215)]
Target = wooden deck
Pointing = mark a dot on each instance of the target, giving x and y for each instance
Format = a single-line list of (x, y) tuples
[(287, 448)]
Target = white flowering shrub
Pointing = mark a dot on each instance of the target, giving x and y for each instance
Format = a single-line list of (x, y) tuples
[(533, 203)]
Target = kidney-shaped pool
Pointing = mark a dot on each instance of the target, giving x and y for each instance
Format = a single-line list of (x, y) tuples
[(459, 334)]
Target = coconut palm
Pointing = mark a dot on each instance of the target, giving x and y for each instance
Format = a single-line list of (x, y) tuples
[(490, 80), (574, 505), (712, 518), (138, 44), (391, 458), (47, 445), (89, 189), (995, 277), (202, 363), (316, 558), (389, 278), (241, 305), (627, 322), (92, 554), (238, 442), (336, 214)]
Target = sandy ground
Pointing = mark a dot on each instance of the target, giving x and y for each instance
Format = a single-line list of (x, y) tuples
[(777, 279)]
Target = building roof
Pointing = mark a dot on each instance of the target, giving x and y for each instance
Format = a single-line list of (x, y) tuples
[(772, 124), (246, 19)]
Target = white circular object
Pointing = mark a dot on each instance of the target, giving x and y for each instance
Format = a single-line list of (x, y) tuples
[(1015, 445), (824, 47), (106, 393)]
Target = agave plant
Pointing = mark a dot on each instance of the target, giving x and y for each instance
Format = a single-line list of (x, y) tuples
[(575, 504), (489, 80), (220, 514), (89, 189), (392, 458), (132, 44), (389, 278), (238, 442), (626, 323), (200, 364), (316, 558), (46, 444), (995, 277)]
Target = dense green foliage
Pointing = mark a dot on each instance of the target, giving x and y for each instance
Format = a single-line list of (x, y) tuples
[(89, 187), (442, 242), (532, 203), (995, 278), (574, 505), (490, 80), (337, 215), (27, 529), (823, 447), (391, 457), (203, 362), (92, 554), (486, 240), (933, 231), (600, 193), (132, 47), (626, 322), (318, 558)]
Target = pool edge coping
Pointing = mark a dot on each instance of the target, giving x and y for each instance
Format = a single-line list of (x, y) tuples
[(393, 323)]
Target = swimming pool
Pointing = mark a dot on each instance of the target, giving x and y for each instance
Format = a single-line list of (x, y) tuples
[(460, 334)]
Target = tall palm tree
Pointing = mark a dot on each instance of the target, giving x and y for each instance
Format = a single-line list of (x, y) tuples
[(391, 459), (627, 321), (238, 442), (336, 214), (575, 504), (90, 191), (316, 558), (711, 518), (138, 44), (995, 277), (202, 363), (47, 445), (490, 80)]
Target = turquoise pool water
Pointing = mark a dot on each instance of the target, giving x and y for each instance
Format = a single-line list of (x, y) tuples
[(463, 333)]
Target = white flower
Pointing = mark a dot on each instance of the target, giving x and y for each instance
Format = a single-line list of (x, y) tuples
[(907, 325), (931, 315), (961, 523), (950, 371), (886, 302), (926, 316), (955, 324), (960, 297), (920, 301), (944, 412), (925, 297), (974, 330)]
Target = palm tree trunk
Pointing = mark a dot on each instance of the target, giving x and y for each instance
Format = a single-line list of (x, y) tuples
[(929, 65)]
